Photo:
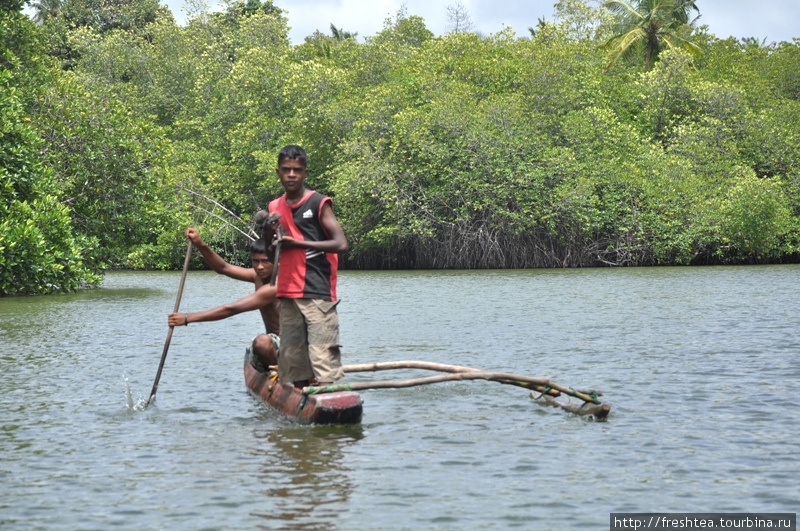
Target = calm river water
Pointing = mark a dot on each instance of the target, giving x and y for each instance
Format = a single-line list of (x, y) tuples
[(700, 365)]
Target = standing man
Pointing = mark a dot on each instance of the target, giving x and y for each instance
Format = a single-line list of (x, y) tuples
[(265, 347), (310, 349)]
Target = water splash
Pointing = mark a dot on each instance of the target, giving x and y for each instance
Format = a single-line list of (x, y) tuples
[(139, 405)]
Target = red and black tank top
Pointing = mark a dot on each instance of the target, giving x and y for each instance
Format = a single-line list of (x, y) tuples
[(305, 273)]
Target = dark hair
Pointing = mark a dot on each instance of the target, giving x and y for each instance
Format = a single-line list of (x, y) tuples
[(257, 246), (293, 152)]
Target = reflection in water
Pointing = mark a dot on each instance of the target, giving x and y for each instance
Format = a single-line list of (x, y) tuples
[(307, 479)]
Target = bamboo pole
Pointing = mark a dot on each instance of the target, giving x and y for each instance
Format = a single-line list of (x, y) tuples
[(546, 388), (407, 364), (542, 384), (414, 382), (171, 328), (508, 378), (412, 364)]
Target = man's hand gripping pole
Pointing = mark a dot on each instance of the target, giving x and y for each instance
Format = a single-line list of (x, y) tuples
[(272, 234)]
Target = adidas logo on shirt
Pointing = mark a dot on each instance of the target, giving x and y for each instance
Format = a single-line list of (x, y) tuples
[(308, 214)]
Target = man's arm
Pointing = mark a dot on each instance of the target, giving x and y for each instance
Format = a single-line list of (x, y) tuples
[(216, 262), (263, 296), (337, 243)]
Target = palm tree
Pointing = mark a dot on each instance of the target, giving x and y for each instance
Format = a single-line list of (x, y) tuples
[(339, 34), (753, 42), (46, 9), (540, 25), (324, 44), (649, 25)]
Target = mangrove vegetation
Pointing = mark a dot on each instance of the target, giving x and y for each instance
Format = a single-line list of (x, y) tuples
[(614, 134)]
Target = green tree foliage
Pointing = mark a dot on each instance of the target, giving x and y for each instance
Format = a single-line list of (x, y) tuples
[(107, 15), (39, 250), (106, 166), (46, 10), (440, 152), (321, 45), (99, 17), (241, 9)]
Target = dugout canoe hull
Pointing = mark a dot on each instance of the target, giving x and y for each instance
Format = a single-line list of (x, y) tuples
[(343, 407)]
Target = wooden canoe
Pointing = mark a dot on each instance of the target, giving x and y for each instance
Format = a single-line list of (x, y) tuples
[(342, 407)]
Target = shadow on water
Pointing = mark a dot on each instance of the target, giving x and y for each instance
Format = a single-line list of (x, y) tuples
[(118, 294)]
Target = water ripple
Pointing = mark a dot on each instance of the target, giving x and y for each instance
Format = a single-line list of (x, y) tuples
[(700, 366)]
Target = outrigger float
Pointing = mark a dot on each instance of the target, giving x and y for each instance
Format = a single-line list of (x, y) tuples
[(340, 403)]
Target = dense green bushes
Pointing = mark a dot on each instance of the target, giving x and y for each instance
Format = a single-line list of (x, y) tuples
[(449, 152), (40, 251)]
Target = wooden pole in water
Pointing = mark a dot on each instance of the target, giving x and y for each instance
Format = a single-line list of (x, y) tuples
[(171, 328), (599, 411), (536, 384)]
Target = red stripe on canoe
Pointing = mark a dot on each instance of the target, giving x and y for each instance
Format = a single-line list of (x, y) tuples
[(341, 407)]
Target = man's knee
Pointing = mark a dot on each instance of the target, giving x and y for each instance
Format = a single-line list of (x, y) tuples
[(264, 350), (327, 362)]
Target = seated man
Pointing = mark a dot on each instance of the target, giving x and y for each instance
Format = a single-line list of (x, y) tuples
[(265, 346)]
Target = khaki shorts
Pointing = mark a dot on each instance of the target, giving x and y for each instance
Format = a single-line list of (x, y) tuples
[(309, 341)]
